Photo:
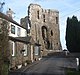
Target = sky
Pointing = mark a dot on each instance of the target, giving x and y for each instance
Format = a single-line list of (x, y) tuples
[(66, 8)]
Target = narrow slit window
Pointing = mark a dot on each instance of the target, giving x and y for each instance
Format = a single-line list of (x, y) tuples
[(38, 14), (43, 18), (56, 20)]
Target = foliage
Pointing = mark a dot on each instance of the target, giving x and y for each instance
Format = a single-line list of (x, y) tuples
[(72, 72), (73, 34), (4, 47)]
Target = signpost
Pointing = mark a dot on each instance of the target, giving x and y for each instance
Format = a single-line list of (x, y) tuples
[(77, 60)]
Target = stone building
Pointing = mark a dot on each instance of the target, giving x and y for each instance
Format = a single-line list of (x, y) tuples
[(20, 45), (44, 28)]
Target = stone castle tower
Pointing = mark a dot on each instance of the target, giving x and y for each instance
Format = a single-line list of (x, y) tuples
[(44, 27)]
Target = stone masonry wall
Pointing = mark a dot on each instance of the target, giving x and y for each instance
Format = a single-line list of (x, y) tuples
[(44, 27)]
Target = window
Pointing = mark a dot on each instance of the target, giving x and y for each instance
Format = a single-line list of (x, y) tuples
[(44, 32), (18, 31), (28, 26), (13, 48), (51, 33), (13, 29), (25, 52), (43, 18), (38, 14), (56, 20), (36, 50)]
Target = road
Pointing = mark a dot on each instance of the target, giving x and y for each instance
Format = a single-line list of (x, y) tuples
[(51, 66), (48, 66)]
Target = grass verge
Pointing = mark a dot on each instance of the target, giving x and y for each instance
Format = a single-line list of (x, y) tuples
[(72, 72)]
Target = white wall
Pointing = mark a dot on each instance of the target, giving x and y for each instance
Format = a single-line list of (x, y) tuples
[(23, 32)]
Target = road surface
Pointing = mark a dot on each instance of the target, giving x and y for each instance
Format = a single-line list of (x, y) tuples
[(48, 66)]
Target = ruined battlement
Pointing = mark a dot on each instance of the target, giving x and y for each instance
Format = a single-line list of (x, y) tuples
[(45, 27)]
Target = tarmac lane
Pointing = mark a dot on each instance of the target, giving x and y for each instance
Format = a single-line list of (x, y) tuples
[(48, 66), (51, 66)]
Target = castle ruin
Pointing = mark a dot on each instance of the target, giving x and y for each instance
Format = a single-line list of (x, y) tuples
[(44, 27)]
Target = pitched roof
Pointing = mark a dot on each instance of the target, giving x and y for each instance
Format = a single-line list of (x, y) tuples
[(27, 40), (21, 39), (3, 16)]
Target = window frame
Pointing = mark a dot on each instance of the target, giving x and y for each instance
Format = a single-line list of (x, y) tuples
[(36, 51), (18, 31), (13, 49), (26, 50)]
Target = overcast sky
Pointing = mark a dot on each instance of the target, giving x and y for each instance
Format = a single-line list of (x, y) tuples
[(66, 8)]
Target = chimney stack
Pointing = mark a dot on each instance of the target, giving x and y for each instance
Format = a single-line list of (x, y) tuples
[(9, 13)]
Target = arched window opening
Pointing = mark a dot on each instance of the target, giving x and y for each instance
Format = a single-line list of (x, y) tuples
[(45, 37), (44, 32), (51, 33)]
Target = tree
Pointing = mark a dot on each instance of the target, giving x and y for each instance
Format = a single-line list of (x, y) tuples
[(73, 34), (4, 47)]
